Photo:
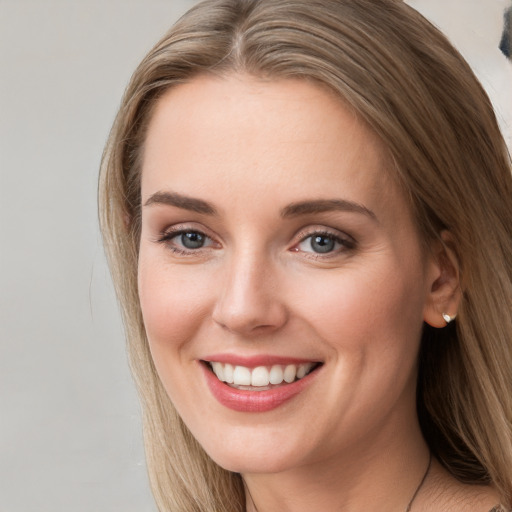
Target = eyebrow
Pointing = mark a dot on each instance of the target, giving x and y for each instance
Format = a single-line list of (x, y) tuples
[(181, 201), (325, 205), (292, 210)]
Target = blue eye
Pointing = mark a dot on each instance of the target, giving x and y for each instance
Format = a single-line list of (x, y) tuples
[(185, 241), (323, 243), (192, 239)]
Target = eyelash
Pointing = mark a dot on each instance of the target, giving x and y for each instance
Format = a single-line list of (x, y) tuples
[(167, 238), (347, 243)]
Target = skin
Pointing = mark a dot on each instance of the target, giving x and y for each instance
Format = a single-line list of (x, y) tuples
[(250, 149)]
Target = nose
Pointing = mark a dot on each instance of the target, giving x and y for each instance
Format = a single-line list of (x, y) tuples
[(249, 302)]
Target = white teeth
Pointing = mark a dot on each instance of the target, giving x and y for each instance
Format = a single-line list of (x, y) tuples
[(228, 373), (290, 372), (218, 369), (301, 371), (241, 376), (276, 374), (261, 376)]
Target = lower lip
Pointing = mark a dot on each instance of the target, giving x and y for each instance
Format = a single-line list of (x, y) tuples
[(254, 401)]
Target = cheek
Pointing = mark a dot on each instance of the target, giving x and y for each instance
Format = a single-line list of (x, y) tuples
[(173, 303), (371, 322), (356, 310)]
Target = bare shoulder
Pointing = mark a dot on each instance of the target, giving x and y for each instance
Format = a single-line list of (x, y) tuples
[(444, 492)]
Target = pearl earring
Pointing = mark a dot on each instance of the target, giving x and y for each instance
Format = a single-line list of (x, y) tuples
[(447, 318)]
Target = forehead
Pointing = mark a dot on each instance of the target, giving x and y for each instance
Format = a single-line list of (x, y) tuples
[(242, 132)]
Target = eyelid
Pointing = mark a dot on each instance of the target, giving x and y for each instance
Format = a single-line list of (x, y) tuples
[(167, 236), (324, 230), (347, 241), (180, 227)]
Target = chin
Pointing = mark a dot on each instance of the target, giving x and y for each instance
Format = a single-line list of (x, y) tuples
[(252, 464), (252, 456)]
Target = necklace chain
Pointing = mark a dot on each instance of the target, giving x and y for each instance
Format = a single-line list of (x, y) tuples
[(409, 505), (421, 483)]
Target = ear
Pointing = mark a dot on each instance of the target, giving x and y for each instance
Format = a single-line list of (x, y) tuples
[(444, 293)]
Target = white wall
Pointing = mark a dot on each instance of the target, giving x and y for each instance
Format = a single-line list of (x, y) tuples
[(475, 28), (69, 420)]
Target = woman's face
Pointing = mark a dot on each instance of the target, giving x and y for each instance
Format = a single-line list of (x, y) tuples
[(274, 243)]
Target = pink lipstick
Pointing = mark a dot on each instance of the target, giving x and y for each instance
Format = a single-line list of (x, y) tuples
[(275, 376)]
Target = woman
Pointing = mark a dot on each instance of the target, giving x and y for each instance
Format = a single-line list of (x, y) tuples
[(307, 211)]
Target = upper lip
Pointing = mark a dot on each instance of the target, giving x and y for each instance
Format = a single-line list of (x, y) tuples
[(256, 360)]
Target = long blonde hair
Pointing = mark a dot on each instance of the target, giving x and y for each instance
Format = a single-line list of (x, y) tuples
[(419, 95)]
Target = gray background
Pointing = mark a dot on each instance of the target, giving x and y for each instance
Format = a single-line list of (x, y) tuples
[(69, 418)]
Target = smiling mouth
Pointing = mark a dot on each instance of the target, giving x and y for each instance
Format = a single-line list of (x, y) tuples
[(260, 378)]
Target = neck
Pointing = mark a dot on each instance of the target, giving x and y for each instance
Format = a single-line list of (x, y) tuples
[(385, 471)]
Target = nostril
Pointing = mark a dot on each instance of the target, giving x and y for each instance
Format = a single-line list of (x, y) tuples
[(249, 300), (250, 318)]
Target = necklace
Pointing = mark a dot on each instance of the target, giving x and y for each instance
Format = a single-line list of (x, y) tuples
[(421, 483), (410, 502)]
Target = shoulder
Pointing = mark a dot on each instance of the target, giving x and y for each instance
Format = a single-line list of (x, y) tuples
[(444, 492)]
